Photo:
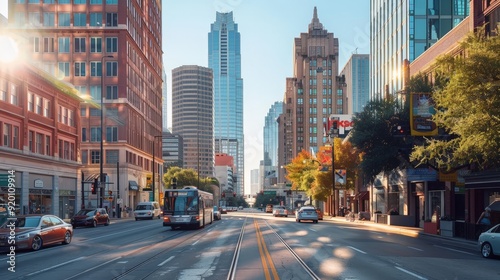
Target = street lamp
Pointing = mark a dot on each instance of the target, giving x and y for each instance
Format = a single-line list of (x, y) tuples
[(101, 151), (154, 166), (334, 132)]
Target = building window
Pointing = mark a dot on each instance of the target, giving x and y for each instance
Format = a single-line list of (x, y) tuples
[(95, 69), (79, 19), (95, 92), (95, 157), (47, 145), (111, 92), (112, 134), (95, 19), (35, 42), (15, 138), (39, 143), (112, 2), (31, 137), (39, 105), (64, 69), (80, 1), (48, 19), (111, 68), (46, 108), (95, 112), (19, 19), (64, 44), (111, 19), (111, 44), (71, 118), (79, 45), (111, 156), (63, 19), (80, 69), (95, 134), (84, 134), (34, 18), (7, 134), (13, 94), (31, 101), (95, 45), (48, 45), (3, 89), (95, 2), (66, 151), (83, 112), (84, 157)]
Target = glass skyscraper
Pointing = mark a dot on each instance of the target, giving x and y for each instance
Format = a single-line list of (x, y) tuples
[(271, 127), (403, 30), (224, 58)]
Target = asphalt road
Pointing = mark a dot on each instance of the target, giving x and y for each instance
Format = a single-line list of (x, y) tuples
[(253, 245)]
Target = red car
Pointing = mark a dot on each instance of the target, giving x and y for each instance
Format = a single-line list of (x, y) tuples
[(90, 217), (320, 214)]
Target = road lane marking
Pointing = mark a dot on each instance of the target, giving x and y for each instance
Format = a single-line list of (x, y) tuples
[(165, 261), (311, 229), (415, 248), (358, 250), (411, 273), (264, 254), (55, 266), (195, 242)]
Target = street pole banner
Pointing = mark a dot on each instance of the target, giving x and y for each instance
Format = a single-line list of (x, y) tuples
[(344, 124), (422, 110)]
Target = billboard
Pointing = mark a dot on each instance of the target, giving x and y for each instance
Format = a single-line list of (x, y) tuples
[(422, 110), (344, 124)]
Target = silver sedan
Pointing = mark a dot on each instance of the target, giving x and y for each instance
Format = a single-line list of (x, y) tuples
[(306, 213)]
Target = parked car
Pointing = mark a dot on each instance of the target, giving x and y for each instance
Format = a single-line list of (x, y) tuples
[(320, 213), (36, 230), (217, 214), (90, 217), (280, 211), (489, 242), (306, 213), (269, 208), (147, 210), (240, 208)]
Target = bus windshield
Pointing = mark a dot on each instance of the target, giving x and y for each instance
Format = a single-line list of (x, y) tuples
[(180, 203)]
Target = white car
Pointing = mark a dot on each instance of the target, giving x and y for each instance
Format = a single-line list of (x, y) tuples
[(306, 213), (489, 242)]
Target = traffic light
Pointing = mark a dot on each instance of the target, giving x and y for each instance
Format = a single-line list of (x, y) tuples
[(400, 130), (223, 194), (92, 188), (234, 194)]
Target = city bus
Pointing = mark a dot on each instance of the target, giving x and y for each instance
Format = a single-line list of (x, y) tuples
[(187, 207)]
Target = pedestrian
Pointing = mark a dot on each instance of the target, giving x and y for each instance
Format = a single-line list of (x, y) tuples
[(114, 211), (484, 219)]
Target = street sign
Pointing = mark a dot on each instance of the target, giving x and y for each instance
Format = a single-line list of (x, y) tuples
[(270, 192)]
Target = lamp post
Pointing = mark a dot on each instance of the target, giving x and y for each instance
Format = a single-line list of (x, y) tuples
[(154, 166), (101, 151), (334, 132)]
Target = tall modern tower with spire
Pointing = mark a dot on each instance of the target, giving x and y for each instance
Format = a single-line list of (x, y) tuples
[(224, 58)]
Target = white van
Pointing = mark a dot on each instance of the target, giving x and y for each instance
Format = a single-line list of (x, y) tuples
[(147, 210)]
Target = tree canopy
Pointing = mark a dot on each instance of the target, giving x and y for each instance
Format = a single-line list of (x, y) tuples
[(467, 98)]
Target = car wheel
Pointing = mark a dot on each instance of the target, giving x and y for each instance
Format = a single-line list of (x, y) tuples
[(94, 223), (36, 244), (107, 222), (486, 250), (67, 238), (315, 221)]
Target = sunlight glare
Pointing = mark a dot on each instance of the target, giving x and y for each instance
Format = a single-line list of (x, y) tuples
[(332, 267), (8, 49)]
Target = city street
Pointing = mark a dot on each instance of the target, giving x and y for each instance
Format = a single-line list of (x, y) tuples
[(253, 245)]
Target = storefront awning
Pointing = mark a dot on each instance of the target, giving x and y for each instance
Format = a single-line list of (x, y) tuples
[(94, 176), (132, 185)]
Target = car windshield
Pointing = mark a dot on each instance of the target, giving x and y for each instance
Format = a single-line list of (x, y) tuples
[(86, 212), (144, 207), (25, 222)]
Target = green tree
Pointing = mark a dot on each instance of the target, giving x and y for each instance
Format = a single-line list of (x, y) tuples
[(372, 135), (467, 98)]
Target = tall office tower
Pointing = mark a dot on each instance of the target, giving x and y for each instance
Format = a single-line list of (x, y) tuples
[(357, 77), (164, 97), (224, 58), (271, 127), (318, 91), (192, 116), (254, 182), (402, 30), (101, 48)]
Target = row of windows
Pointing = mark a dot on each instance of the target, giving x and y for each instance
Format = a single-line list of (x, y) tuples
[(95, 94), (39, 143), (313, 82), (48, 19), (112, 156), (80, 69), (8, 92), (95, 134), (39, 105), (47, 44)]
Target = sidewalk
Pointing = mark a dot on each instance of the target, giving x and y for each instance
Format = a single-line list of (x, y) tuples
[(413, 231)]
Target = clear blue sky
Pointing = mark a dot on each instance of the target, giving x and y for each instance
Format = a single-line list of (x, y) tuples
[(268, 29)]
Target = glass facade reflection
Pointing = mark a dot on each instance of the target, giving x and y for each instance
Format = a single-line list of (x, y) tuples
[(224, 58), (404, 29)]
